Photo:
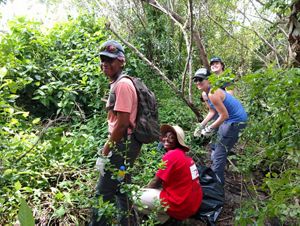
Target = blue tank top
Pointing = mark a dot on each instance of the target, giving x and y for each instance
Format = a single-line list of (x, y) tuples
[(235, 110)]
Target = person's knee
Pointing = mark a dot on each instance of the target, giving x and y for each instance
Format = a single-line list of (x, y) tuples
[(150, 196), (219, 154)]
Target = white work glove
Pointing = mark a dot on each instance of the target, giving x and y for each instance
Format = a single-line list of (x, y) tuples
[(197, 132), (101, 162), (100, 165), (207, 131)]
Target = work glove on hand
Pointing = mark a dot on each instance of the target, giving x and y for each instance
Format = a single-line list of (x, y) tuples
[(100, 165), (207, 131), (197, 132), (101, 161)]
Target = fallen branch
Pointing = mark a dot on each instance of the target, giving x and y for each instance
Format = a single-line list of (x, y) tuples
[(225, 218)]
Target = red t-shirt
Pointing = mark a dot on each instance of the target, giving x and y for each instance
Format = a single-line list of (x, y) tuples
[(181, 191)]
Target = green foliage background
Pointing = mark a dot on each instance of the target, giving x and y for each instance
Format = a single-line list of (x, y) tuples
[(53, 120), (272, 153)]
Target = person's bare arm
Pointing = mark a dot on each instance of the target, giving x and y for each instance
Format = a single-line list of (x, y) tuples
[(156, 182), (122, 124), (217, 100)]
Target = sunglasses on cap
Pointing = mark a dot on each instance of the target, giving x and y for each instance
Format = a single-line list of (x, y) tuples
[(110, 49)]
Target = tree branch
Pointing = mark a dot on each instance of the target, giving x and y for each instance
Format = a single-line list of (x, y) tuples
[(269, 21), (180, 20), (242, 44), (190, 60), (138, 15), (261, 37), (188, 63), (260, 2)]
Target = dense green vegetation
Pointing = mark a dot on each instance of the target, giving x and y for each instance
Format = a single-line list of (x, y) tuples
[(46, 157), (271, 154), (53, 120)]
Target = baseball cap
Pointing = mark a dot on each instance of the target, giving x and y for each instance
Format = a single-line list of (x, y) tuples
[(112, 49), (215, 59), (201, 73)]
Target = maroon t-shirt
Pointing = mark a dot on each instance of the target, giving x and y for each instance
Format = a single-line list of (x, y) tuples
[(181, 192)]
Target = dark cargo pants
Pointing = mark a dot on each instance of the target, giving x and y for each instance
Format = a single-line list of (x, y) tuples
[(109, 188), (228, 134)]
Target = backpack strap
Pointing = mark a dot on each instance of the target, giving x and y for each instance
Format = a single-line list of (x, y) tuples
[(112, 94), (123, 76)]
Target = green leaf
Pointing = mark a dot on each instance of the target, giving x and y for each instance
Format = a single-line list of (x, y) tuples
[(59, 196), (18, 185), (7, 172), (25, 114), (25, 214), (3, 72), (9, 110), (36, 121), (14, 121), (67, 197), (60, 212)]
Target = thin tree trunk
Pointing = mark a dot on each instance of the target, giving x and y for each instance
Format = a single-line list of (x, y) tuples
[(196, 35), (294, 35)]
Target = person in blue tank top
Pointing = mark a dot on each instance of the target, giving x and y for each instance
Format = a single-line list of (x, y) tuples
[(231, 120), (217, 67)]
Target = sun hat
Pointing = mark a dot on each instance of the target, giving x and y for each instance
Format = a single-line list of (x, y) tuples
[(112, 49), (178, 131), (202, 73)]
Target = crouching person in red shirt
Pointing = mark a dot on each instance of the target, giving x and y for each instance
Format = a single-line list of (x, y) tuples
[(176, 185)]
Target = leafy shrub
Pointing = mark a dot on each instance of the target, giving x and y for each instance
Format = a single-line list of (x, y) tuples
[(49, 162), (55, 72), (273, 143)]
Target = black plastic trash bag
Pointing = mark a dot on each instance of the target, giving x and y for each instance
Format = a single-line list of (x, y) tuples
[(213, 196)]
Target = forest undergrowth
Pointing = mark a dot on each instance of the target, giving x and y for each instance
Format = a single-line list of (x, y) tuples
[(53, 121)]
